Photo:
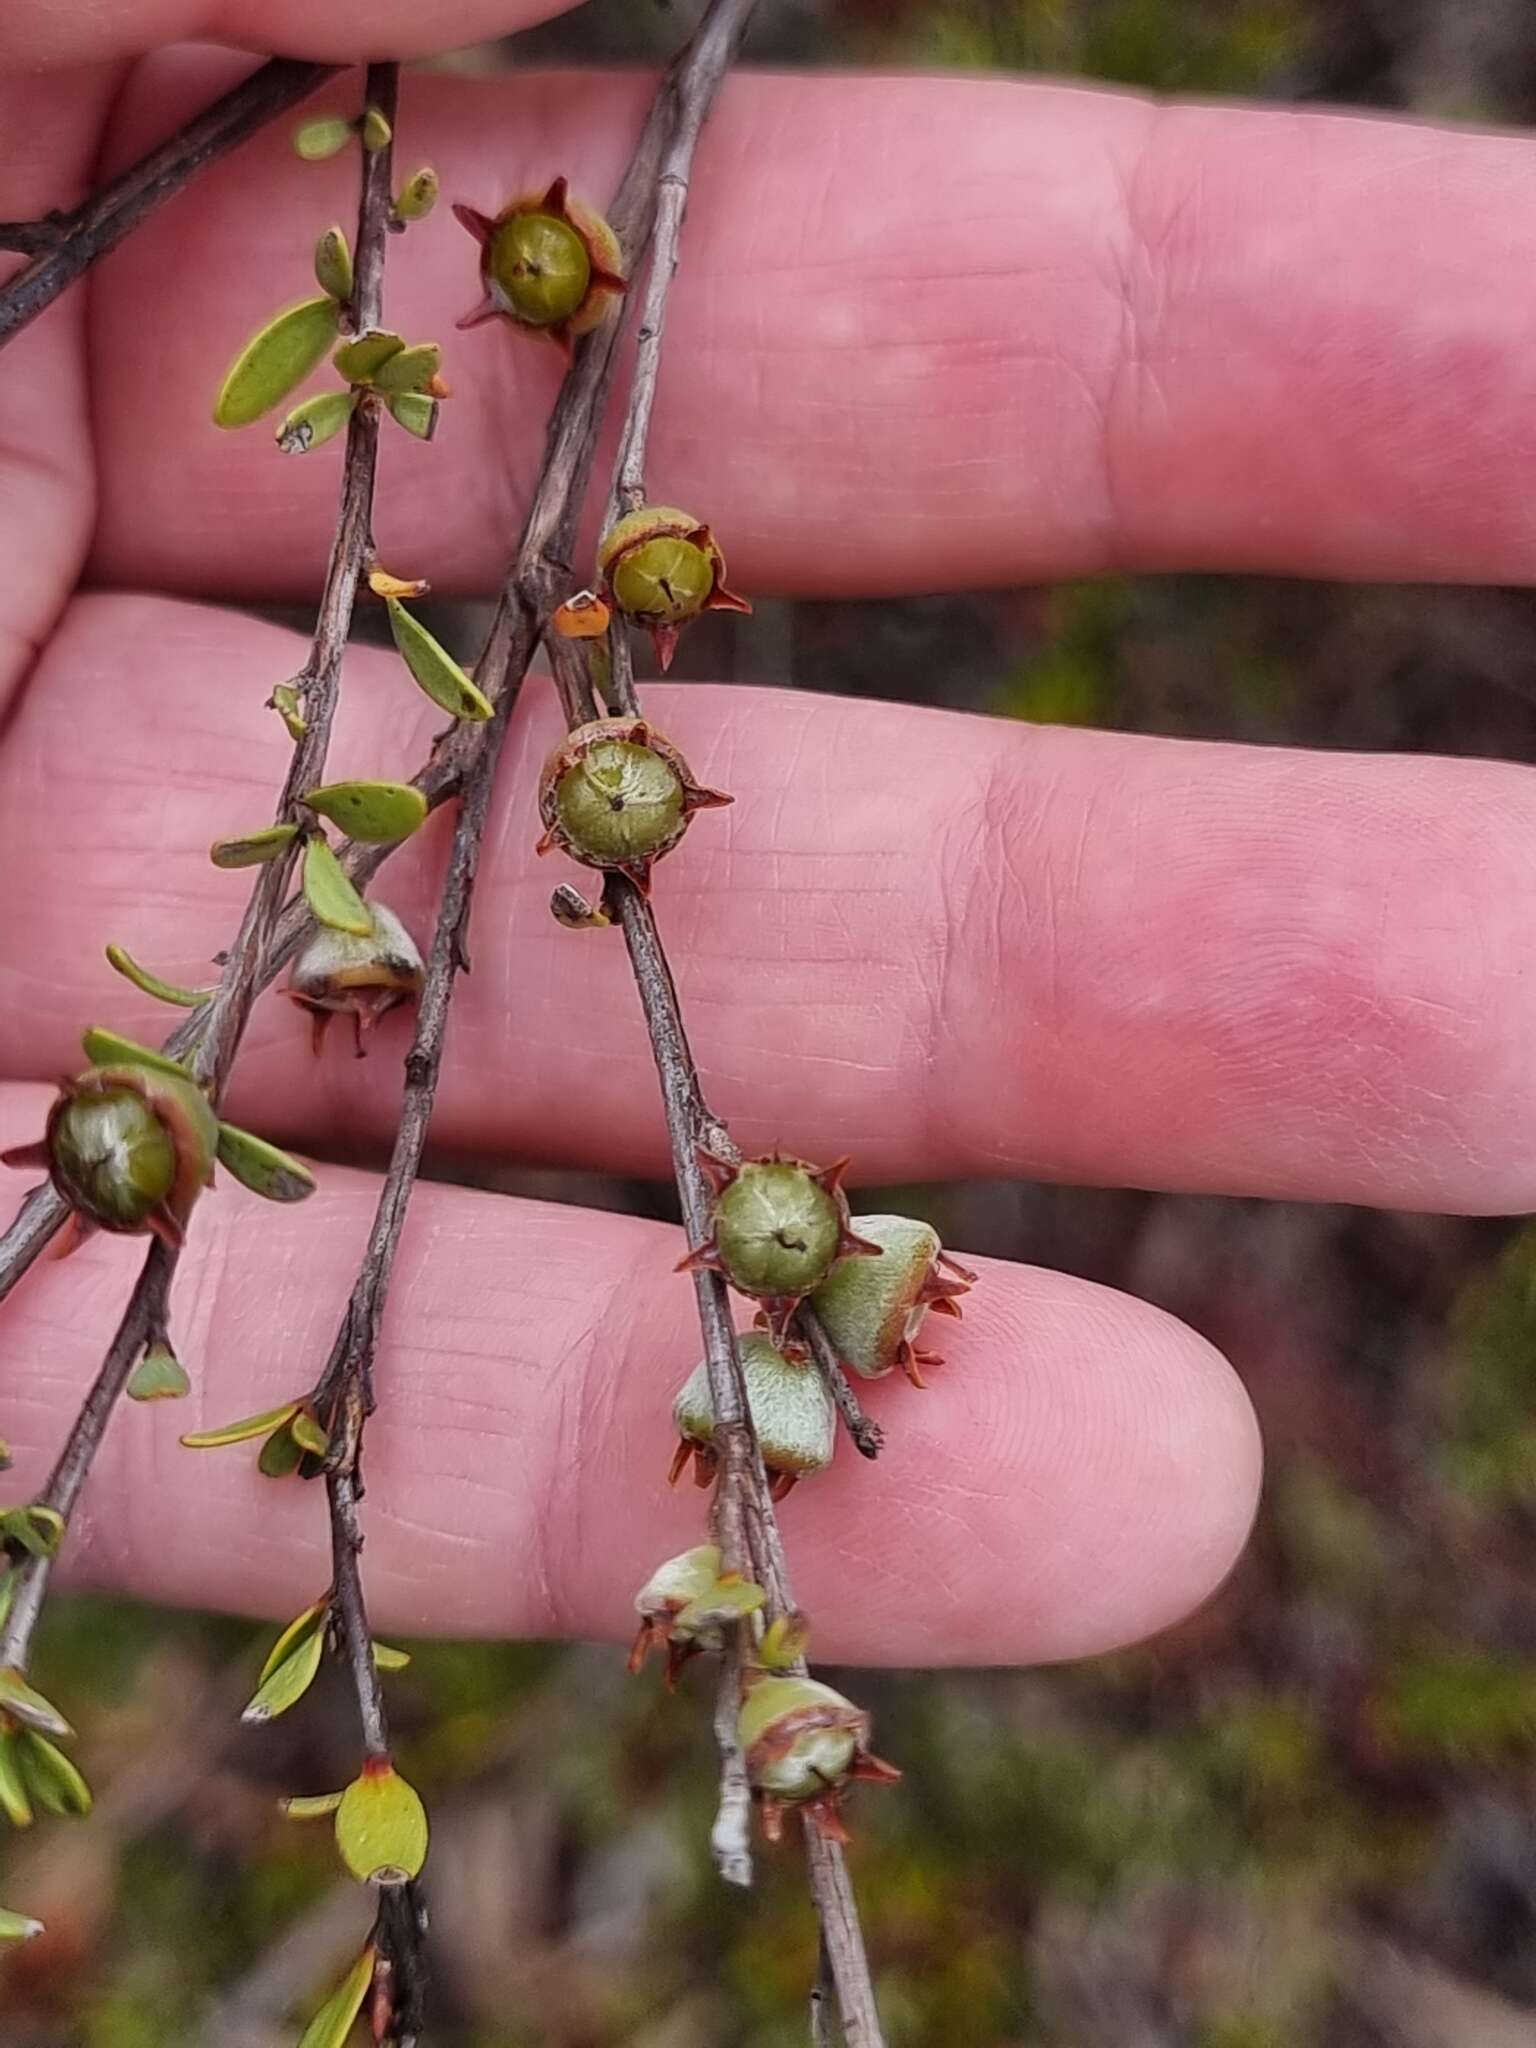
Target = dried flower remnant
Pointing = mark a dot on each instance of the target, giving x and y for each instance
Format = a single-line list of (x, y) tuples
[(616, 795), (804, 1744), (792, 1413), (873, 1310), (346, 974), (547, 262), (778, 1228), (660, 567)]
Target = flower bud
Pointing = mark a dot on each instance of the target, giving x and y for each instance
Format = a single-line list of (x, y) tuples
[(547, 262), (661, 568), (802, 1744), (341, 973), (873, 1309), (129, 1147), (616, 795), (779, 1228), (792, 1413)]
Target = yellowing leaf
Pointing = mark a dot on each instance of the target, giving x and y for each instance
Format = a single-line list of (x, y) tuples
[(388, 1659), (359, 361), (415, 411), (378, 813), (15, 1800), (274, 360), (55, 1783), (434, 667), (329, 894), (381, 1826), (308, 1434), (151, 984), (243, 1431), (302, 1625), (412, 369), (250, 849), (333, 264), (265, 1169), (38, 1530), (111, 1049), (316, 1807), (328, 136), (25, 1704), (417, 196), (314, 421), (17, 1927), (377, 133), (287, 1682), (334, 2021), (159, 1376)]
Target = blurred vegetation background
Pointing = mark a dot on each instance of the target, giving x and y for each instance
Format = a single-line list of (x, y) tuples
[(1304, 1820)]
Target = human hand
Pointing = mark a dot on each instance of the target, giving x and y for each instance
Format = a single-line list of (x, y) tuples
[(929, 333)]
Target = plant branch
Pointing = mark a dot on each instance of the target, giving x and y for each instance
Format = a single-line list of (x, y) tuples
[(222, 1020), (63, 246), (867, 1435)]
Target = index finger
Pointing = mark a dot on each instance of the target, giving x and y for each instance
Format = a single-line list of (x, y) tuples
[(44, 32), (928, 332)]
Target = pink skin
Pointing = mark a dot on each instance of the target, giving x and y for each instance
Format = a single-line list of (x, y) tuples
[(1082, 955)]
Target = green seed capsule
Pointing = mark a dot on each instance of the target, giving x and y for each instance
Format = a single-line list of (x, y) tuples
[(792, 1413), (547, 262), (614, 794), (802, 1743), (661, 567), (873, 1309), (777, 1228), (131, 1147)]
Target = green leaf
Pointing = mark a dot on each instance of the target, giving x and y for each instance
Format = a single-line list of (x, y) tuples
[(412, 369), (243, 1431), (414, 411), (7, 1594), (333, 264), (17, 1927), (317, 1807), (329, 136), (785, 1641), (308, 1434), (328, 892), (265, 1169), (434, 667), (418, 195), (377, 133), (359, 361), (110, 1049), (286, 1683), (314, 421), (151, 984), (250, 849), (388, 1659), (158, 1376), (15, 1800), (56, 1784), (381, 1826), (336, 2018), (281, 1454), (35, 1529), (302, 1625), (375, 812), (285, 701), (274, 360), (25, 1704)]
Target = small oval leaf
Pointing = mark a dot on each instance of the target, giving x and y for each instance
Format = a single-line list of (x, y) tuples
[(314, 421), (251, 849), (328, 892), (414, 411), (123, 961), (377, 133), (336, 2018), (287, 1684), (316, 1807), (243, 1431), (388, 1659), (434, 667), (36, 1529), (274, 360), (418, 195), (159, 1376), (333, 264), (55, 1783), (412, 369), (285, 701), (25, 1704), (281, 1454), (375, 812), (308, 1434), (360, 360), (381, 1826), (110, 1049), (15, 1799), (329, 136), (17, 1927), (302, 1625), (265, 1169)]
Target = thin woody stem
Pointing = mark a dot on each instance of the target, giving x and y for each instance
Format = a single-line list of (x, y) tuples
[(867, 1435), (222, 1020), (63, 246)]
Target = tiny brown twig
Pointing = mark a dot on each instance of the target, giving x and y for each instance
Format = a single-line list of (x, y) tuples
[(63, 246), (866, 1434)]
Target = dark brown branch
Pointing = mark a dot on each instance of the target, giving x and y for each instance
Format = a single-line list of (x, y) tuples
[(64, 246), (221, 1022), (868, 1437)]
